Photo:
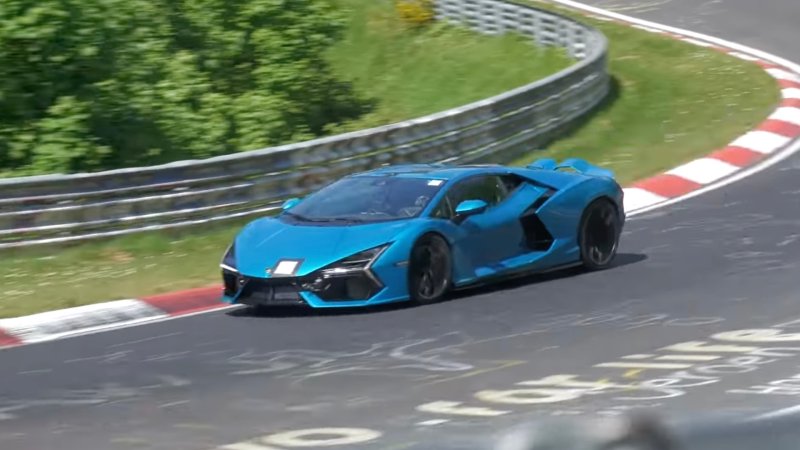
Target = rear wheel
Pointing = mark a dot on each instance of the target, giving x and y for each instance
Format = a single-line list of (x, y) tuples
[(599, 234), (429, 270)]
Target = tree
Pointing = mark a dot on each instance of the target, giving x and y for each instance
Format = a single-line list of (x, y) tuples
[(91, 84)]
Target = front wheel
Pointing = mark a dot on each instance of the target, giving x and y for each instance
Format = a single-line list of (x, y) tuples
[(599, 234), (430, 270)]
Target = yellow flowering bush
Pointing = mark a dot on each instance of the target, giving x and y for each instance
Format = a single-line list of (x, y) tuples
[(415, 12)]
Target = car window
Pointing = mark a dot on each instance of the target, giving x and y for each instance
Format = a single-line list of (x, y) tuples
[(491, 189), (444, 210), (512, 182), (367, 198)]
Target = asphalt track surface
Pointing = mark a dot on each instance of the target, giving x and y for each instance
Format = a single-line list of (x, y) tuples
[(722, 261)]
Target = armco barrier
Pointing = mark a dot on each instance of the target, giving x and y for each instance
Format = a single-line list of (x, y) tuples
[(58, 208)]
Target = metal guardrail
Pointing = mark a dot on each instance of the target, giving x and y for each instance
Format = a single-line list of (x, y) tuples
[(60, 208)]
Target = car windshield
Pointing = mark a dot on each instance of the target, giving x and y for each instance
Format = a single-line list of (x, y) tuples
[(367, 199)]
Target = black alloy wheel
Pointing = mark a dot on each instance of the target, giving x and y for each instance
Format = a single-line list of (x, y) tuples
[(599, 234), (430, 269)]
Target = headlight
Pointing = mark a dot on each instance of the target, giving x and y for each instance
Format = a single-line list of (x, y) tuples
[(355, 263), (229, 260), (350, 278)]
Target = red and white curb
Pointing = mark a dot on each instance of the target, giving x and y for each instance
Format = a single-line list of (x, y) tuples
[(773, 140), (63, 323), (777, 135)]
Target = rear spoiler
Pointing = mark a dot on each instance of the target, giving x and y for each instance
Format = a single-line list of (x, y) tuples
[(579, 165)]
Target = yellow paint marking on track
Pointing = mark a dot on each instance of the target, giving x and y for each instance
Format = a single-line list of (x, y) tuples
[(503, 365), (633, 373)]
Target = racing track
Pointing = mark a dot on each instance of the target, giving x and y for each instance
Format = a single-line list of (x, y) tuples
[(726, 260)]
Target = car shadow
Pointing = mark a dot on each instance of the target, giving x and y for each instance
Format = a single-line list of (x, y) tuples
[(305, 311), (622, 259)]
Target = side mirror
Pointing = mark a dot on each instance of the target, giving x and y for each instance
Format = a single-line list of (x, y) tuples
[(470, 208), (291, 203)]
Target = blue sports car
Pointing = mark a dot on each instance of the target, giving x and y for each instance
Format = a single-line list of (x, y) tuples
[(414, 232)]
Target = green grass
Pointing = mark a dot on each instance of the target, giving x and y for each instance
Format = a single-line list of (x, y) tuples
[(41, 279), (414, 72), (672, 102)]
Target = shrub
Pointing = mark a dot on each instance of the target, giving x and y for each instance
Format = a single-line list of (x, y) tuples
[(97, 84), (415, 12)]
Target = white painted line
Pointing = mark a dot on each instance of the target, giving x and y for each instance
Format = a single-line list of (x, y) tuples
[(248, 446), (642, 356), (308, 437), (147, 339), (433, 422), (743, 49), (790, 411), (787, 114), (704, 170), (688, 357), (648, 29), (692, 34), (171, 404), (791, 93), (643, 365), (636, 198), (455, 408), (784, 75), (699, 346), (761, 141), (743, 56), (697, 42)]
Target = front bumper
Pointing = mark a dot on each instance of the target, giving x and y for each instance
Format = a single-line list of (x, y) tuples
[(349, 290), (261, 291)]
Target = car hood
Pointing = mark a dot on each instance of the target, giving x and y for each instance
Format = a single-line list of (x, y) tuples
[(266, 241)]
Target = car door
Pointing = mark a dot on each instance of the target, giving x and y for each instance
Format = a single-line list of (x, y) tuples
[(484, 239)]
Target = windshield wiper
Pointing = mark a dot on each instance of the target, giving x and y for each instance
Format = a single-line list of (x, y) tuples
[(298, 216)]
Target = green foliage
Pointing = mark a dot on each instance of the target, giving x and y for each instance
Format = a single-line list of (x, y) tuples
[(415, 12), (409, 72), (91, 84), (414, 71)]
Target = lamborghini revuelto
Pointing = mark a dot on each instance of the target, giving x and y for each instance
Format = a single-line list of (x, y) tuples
[(414, 232)]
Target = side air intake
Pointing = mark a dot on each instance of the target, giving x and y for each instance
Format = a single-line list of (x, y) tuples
[(537, 237), (541, 200)]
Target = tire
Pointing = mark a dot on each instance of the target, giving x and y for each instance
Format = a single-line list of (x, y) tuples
[(599, 233), (430, 270)]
